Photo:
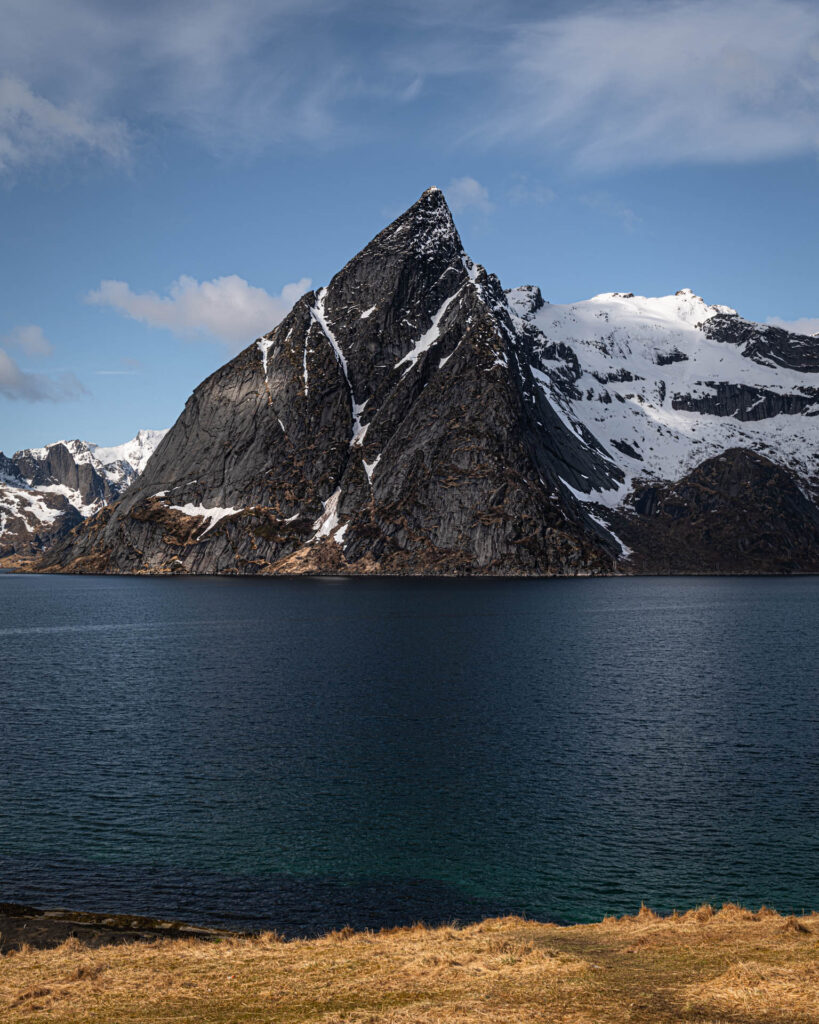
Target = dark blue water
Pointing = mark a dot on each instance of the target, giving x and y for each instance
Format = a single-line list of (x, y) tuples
[(302, 754)]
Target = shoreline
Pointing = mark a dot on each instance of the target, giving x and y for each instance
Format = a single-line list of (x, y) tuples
[(46, 928), (27, 569)]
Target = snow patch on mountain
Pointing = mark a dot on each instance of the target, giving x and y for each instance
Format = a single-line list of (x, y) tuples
[(428, 338), (320, 317), (29, 506), (212, 515), (327, 522), (134, 453)]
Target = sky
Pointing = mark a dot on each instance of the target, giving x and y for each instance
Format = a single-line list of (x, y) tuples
[(175, 174)]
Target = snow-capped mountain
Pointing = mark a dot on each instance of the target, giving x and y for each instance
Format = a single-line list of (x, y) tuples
[(44, 492), (662, 384), (412, 417), (123, 462)]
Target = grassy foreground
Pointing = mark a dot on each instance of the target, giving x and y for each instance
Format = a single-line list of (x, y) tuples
[(725, 967)]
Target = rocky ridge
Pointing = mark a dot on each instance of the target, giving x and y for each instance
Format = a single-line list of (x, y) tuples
[(45, 492), (413, 417)]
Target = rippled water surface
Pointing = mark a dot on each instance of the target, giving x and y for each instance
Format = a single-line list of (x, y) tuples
[(302, 754)]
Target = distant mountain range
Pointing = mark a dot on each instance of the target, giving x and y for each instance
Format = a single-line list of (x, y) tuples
[(413, 417), (44, 492)]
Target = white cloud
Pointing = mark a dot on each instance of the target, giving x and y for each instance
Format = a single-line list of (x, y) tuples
[(638, 83), (33, 130), (227, 308), (29, 339), (461, 193), (36, 387), (803, 325)]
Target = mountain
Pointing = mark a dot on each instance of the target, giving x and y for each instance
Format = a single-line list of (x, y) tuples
[(45, 492), (414, 417)]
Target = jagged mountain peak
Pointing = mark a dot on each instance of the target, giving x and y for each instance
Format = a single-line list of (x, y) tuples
[(134, 453), (382, 308), (76, 447), (684, 306), (390, 420), (410, 416), (425, 229)]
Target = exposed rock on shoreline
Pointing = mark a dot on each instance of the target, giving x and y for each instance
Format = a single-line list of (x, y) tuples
[(22, 925)]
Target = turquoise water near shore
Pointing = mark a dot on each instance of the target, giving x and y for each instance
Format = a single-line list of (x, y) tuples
[(302, 754)]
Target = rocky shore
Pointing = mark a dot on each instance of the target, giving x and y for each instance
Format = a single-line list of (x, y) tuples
[(21, 925)]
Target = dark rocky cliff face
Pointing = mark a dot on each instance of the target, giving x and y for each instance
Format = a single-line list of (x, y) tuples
[(35, 511), (748, 403), (765, 344), (32, 523), (58, 466), (413, 418), (387, 425), (736, 513)]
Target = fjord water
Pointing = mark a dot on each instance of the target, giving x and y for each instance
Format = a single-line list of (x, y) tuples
[(305, 754)]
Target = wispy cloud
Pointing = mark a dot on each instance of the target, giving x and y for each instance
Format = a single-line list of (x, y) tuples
[(26, 386), (802, 325), (21, 385), (608, 206), (612, 84), (463, 193), (128, 367), (231, 73), (33, 130), (227, 308), (659, 83), (525, 192)]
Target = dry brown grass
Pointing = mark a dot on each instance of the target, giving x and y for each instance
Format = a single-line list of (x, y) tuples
[(731, 966)]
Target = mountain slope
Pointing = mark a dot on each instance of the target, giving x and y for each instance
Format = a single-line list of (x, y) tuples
[(45, 492), (669, 382), (412, 417), (738, 512)]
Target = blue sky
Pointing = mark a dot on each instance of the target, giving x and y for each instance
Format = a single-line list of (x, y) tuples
[(173, 175)]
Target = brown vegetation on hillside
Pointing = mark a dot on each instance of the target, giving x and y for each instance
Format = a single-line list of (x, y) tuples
[(726, 967)]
